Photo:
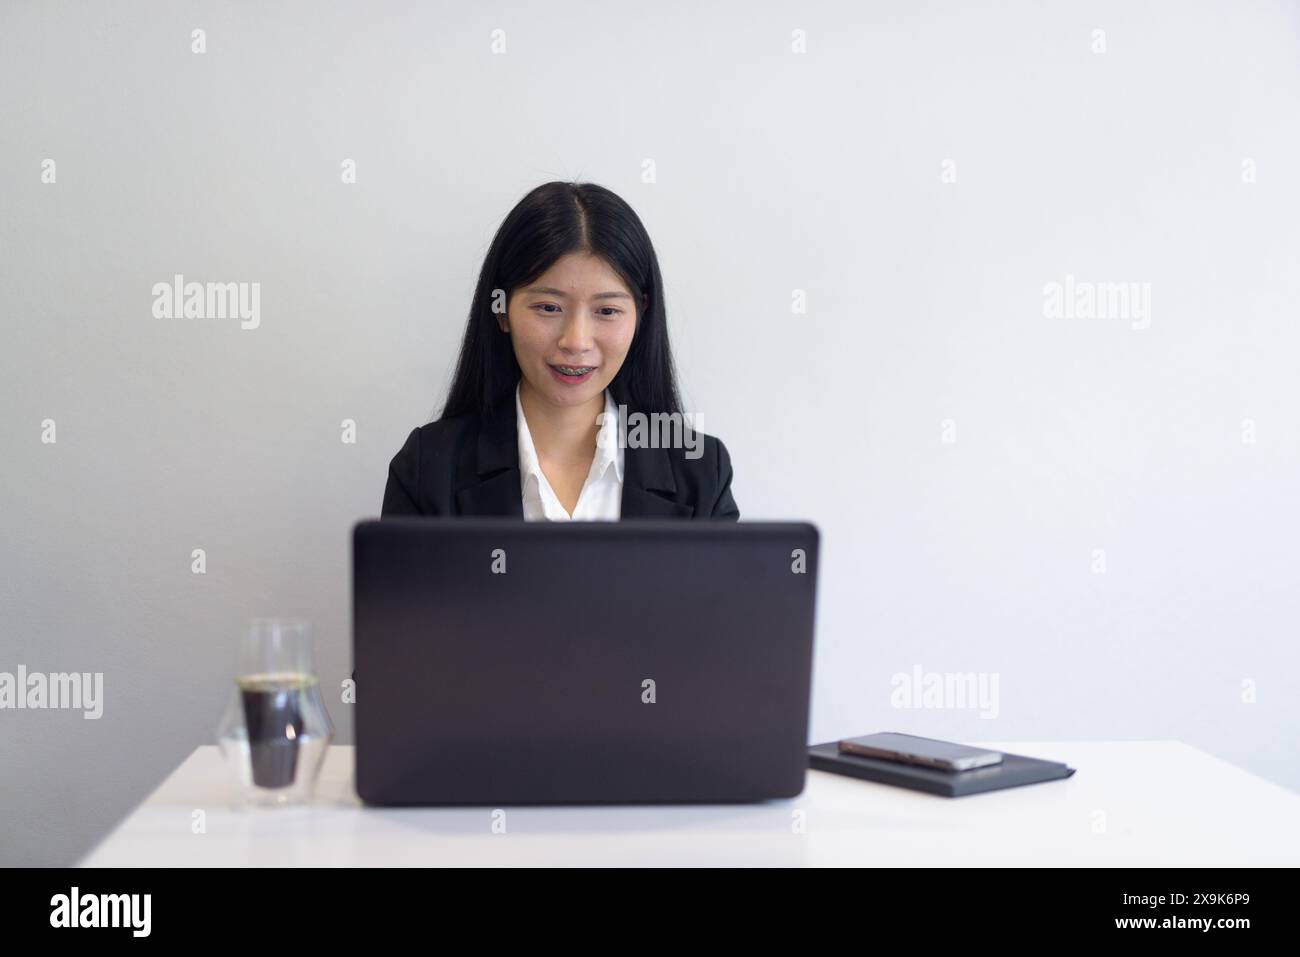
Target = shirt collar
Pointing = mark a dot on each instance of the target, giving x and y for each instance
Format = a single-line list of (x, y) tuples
[(607, 450)]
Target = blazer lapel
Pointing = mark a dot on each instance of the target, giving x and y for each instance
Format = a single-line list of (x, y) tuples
[(496, 491), (646, 473)]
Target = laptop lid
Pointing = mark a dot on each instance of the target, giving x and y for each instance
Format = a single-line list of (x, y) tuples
[(508, 662)]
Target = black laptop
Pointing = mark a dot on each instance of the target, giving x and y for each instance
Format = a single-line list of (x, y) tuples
[(503, 662)]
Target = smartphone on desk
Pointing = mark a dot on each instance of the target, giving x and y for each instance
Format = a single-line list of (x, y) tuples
[(926, 752)]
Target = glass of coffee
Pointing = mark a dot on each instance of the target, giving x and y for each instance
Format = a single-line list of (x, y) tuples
[(275, 730)]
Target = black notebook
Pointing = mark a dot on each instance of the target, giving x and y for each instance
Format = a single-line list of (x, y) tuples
[(1015, 770)]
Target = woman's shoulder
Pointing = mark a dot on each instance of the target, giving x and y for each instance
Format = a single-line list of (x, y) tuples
[(700, 456), (439, 437), (448, 428), (703, 473)]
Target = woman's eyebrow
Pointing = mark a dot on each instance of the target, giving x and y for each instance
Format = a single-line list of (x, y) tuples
[(551, 291)]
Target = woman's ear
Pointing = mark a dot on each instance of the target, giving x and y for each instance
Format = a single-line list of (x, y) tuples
[(503, 323)]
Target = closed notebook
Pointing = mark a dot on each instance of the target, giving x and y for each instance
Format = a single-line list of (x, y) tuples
[(1015, 770)]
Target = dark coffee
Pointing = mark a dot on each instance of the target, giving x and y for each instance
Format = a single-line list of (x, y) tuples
[(273, 713)]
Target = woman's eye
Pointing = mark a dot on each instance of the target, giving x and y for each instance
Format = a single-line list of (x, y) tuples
[(605, 312)]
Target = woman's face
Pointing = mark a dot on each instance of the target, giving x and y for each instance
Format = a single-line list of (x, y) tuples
[(578, 314)]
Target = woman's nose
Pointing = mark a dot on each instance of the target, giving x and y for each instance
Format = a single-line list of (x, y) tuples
[(576, 336)]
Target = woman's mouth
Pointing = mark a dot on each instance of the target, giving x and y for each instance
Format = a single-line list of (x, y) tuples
[(572, 375)]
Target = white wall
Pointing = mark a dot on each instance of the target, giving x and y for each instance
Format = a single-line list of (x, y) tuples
[(776, 171)]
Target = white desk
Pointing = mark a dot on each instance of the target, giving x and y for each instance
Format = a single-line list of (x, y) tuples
[(1133, 803)]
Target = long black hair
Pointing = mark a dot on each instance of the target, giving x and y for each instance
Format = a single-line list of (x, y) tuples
[(553, 220)]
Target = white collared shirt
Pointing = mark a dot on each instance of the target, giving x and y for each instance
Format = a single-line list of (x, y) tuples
[(602, 493)]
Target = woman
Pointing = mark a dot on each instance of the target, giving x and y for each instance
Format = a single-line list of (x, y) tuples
[(567, 340)]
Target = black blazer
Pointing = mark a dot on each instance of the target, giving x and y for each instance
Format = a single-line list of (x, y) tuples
[(467, 465)]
